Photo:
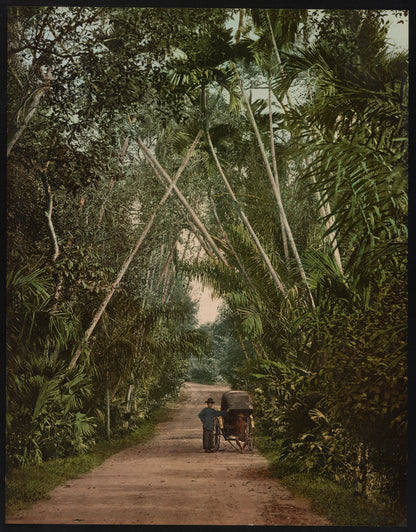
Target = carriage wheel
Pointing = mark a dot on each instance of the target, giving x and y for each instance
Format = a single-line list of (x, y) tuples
[(217, 434)]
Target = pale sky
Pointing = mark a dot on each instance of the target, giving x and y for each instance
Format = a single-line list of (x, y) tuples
[(208, 307), (399, 34)]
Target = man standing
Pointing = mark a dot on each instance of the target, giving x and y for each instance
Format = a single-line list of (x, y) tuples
[(207, 416)]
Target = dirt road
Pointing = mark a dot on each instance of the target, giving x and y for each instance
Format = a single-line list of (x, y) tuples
[(171, 481)]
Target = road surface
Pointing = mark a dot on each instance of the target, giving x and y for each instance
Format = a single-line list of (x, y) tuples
[(171, 481)]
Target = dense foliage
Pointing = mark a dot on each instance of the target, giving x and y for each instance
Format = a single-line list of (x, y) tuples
[(289, 130)]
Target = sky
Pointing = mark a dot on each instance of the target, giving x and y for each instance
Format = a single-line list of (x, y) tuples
[(399, 34), (208, 306)]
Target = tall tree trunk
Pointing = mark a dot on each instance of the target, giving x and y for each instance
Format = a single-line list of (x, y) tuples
[(246, 222), (276, 175), (130, 257), (37, 96), (233, 251), (277, 55), (240, 25), (166, 266), (167, 181), (204, 245), (274, 188), (326, 208), (117, 387)]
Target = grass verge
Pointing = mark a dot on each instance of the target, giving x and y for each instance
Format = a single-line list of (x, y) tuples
[(26, 485), (339, 503)]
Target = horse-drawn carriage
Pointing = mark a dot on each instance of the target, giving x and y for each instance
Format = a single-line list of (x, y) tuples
[(237, 404)]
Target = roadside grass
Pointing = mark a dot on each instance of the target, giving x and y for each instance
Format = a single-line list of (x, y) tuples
[(340, 503), (26, 485)]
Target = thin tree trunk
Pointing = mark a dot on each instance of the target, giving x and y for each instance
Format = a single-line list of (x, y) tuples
[(240, 25), (256, 349), (273, 183), (169, 291), (325, 209), (227, 240), (278, 59), (325, 213), (48, 215), (166, 266), (129, 258), (129, 397), (108, 413), (276, 175), (263, 351), (203, 245), (246, 222), (166, 293), (117, 387), (159, 171), (185, 247), (243, 347), (35, 104)]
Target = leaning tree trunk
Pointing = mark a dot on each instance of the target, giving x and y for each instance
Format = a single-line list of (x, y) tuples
[(130, 257), (37, 96), (276, 175), (167, 181), (326, 210), (233, 251), (274, 188), (246, 222)]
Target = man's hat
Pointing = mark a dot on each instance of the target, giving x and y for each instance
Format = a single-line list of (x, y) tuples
[(210, 400)]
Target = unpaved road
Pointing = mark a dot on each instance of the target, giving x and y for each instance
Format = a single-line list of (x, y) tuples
[(171, 481)]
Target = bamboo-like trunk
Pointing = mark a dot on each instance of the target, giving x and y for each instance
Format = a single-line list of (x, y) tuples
[(167, 181), (240, 25), (274, 188), (276, 175), (48, 215), (130, 257), (35, 104), (277, 54), (246, 222), (233, 251), (256, 349), (244, 348), (168, 287), (203, 244), (166, 266), (325, 213)]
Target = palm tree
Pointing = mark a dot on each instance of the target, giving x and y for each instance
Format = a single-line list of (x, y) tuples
[(360, 156)]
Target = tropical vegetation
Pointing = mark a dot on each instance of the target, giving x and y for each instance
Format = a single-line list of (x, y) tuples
[(261, 152)]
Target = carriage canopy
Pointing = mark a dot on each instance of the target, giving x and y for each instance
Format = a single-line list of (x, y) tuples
[(236, 400)]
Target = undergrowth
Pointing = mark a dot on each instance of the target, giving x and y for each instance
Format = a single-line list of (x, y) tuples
[(26, 485), (340, 503)]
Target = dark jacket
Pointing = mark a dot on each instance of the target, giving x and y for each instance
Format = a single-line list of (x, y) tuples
[(207, 416)]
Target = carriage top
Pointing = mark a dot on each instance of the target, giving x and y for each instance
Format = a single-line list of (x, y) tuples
[(237, 400)]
